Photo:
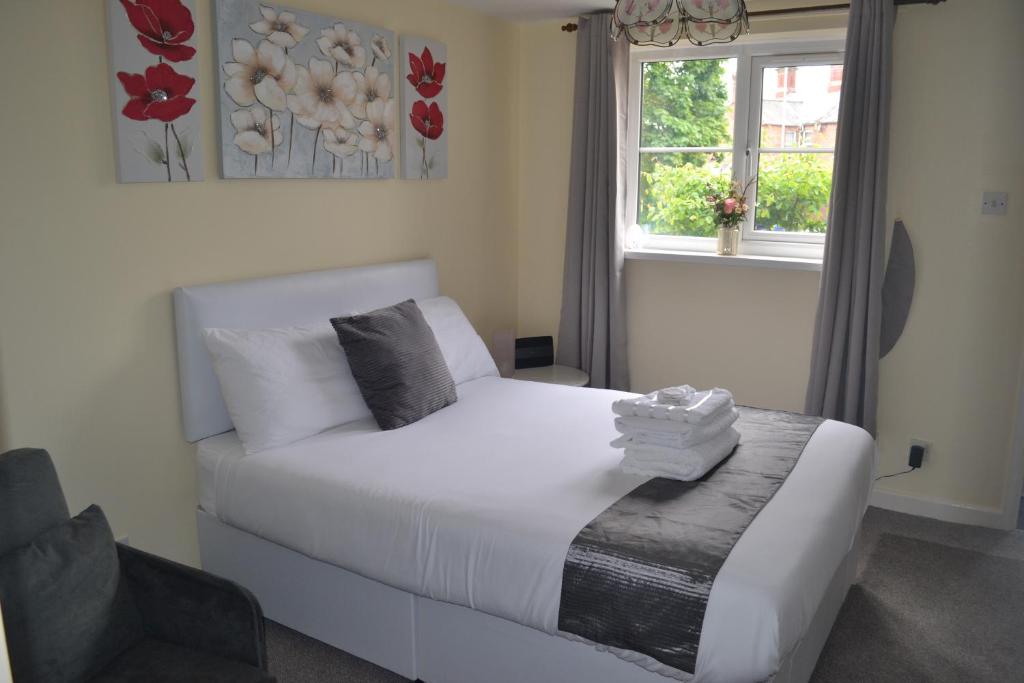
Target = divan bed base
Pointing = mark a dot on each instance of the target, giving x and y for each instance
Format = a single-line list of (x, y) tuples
[(437, 642)]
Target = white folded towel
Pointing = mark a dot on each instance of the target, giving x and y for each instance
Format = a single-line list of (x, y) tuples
[(702, 406), (644, 431), (677, 396), (687, 464)]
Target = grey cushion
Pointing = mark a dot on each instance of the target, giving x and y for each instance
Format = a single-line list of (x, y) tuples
[(31, 500), (397, 364), (66, 612)]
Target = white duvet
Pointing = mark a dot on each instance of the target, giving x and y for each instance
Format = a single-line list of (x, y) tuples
[(478, 503)]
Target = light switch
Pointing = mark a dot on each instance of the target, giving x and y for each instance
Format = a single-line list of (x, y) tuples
[(995, 203)]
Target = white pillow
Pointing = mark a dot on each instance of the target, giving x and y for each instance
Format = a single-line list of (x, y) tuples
[(283, 385), (463, 349)]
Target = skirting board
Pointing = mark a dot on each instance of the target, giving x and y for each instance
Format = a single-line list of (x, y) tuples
[(438, 642), (943, 510)]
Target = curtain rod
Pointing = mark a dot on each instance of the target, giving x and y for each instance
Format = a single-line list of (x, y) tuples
[(810, 9)]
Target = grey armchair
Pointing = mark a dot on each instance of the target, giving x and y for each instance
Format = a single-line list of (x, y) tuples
[(78, 608)]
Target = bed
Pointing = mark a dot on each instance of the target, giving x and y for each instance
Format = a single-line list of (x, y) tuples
[(436, 550)]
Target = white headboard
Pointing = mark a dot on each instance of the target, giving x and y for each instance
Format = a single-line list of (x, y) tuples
[(276, 302)]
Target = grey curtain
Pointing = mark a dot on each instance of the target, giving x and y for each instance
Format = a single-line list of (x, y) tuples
[(844, 363), (592, 333)]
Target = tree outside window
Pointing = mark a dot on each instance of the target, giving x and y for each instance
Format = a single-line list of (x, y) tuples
[(686, 145)]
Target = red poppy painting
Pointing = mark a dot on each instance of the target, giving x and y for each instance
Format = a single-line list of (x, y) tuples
[(425, 103), (164, 27), (426, 75), (156, 116), (161, 93), (427, 120)]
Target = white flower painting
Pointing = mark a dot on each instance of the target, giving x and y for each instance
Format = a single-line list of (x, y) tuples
[(280, 28), (304, 95)]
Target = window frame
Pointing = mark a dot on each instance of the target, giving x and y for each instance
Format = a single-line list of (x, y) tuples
[(746, 135)]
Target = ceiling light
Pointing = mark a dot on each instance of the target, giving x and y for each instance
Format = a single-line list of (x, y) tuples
[(664, 22)]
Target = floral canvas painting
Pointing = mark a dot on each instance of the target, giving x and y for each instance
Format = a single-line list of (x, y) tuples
[(424, 109), (304, 95), (154, 90)]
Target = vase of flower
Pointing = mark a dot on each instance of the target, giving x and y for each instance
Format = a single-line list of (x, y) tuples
[(730, 208), (728, 241)]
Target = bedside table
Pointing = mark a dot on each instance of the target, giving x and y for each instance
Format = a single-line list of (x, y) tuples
[(554, 374)]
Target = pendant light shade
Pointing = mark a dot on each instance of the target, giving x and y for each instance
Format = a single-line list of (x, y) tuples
[(665, 22)]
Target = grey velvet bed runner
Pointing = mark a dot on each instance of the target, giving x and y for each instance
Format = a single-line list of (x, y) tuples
[(639, 575)]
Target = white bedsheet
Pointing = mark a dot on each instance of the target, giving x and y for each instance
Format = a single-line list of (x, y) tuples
[(478, 503)]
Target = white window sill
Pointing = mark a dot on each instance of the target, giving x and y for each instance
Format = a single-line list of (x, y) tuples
[(742, 260)]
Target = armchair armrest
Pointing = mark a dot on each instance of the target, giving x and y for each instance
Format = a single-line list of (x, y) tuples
[(195, 609)]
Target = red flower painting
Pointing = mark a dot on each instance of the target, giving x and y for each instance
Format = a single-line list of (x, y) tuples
[(426, 103), (427, 77), (164, 27), (428, 121), (159, 94)]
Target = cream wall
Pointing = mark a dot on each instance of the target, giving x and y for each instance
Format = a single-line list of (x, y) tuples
[(748, 329), (953, 378), (87, 364), (956, 131), (87, 265), (547, 58)]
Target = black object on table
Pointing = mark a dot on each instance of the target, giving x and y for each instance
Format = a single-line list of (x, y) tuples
[(534, 352)]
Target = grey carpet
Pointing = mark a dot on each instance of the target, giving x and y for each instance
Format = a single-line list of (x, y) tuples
[(928, 612), (295, 658), (934, 602)]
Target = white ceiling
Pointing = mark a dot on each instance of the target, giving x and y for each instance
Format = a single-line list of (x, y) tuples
[(528, 10)]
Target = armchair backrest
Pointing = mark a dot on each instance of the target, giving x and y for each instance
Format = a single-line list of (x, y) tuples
[(31, 499)]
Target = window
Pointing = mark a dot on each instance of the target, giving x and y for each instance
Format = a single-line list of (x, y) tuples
[(757, 114)]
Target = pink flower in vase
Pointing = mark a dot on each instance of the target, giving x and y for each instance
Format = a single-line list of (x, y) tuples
[(730, 206)]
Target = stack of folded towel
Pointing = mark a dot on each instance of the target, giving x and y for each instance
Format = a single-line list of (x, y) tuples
[(678, 433)]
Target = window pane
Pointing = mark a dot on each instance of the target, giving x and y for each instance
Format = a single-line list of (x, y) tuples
[(793, 192), (688, 103), (800, 106), (674, 188)]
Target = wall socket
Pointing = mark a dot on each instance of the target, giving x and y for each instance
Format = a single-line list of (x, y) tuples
[(923, 444), (995, 203)]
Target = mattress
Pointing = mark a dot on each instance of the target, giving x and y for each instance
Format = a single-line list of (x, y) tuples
[(478, 503)]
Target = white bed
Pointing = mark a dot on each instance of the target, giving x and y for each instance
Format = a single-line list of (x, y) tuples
[(378, 542)]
